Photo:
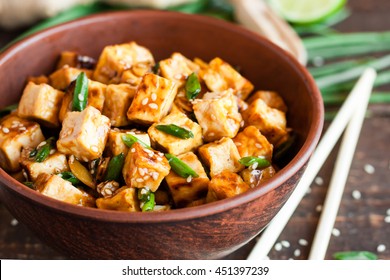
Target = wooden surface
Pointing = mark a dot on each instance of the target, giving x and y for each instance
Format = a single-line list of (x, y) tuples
[(360, 222)]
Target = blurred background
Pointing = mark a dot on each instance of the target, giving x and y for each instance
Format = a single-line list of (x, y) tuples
[(336, 40)]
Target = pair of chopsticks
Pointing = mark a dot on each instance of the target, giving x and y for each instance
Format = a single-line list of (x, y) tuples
[(349, 118)]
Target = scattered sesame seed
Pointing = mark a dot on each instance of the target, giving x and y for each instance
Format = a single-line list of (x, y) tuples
[(189, 179), (159, 158), (303, 242), (258, 145), (211, 134), (95, 149), (254, 166), (155, 175), (285, 243), (153, 106), (318, 61), (213, 117), (5, 130), (41, 144), (336, 232), (22, 128), (132, 150), (381, 248), (387, 219), (139, 180), (154, 97), (319, 208), (356, 194), (108, 192), (278, 246), (388, 212), (369, 168), (81, 97), (146, 177), (178, 76), (297, 252), (141, 171), (14, 222), (238, 144), (52, 151), (145, 101), (319, 181), (252, 186), (242, 123)]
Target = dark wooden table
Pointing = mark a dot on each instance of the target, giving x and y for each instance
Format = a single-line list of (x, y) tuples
[(360, 224)]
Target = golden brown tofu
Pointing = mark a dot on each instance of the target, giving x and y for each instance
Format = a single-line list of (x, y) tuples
[(153, 100), (254, 177), (224, 185), (42, 79), (145, 168), (217, 114), (271, 122), (125, 199), (220, 76), (115, 59), (73, 59), (62, 78), (54, 164), (177, 68), (17, 133), (250, 142), (186, 190), (173, 144), (271, 98), (55, 187), (117, 102), (221, 155), (133, 76), (84, 134), (41, 103), (115, 144)]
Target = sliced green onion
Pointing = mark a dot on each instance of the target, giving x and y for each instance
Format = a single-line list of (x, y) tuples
[(43, 152), (192, 86), (176, 131), (180, 167), (355, 255), (114, 168), (80, 95), (69, 176), (147, 199), (29, 184), (130, 139), (7, 110), (258, 161)]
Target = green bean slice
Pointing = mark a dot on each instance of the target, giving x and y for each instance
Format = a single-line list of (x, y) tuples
[(146, 197), (176, 131), (258, 161), (43, 152), (192, 86), (180, 167), (80, 94), (69, 176), (130, 139), (114, 168)]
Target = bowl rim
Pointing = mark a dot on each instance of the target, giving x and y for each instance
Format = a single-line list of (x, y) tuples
[(281, 177)]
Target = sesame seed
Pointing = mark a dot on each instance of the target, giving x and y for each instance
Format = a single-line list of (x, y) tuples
[(303, 242), (154, 97), (41, 144), (211, 134), (278, 246), (356, 194), (108, 192), (387, 219), (159, 158), (160, 154), (81, 97), (336, 232), (319, 208), (238, 144), (141, 171), (381, 248), (95, 149), (153, 106), (52, 151), (319, 181), (213, 117), (132, 150), (146, 177), (254, 166), (139, 180), (189, 179), (22, 128), (155, 175), (258, 146), (388, 212), (252, 186), (5, 130), (285, 243), (145, 101), (297, 252), (369, 169), (242, 123), (14, 222), (178, 76)]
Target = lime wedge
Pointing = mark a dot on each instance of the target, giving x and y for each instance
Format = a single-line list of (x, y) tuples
[(306, 11)]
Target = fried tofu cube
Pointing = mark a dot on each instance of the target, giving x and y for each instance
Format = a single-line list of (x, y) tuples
[(145, 168), (224, 185), (221, 155), (250, 142), (115, 144), (117, 102), (55, 163), (172, 144), (271, 122), (62, 78), (115, 59), (153, 100), (254, 177), (96, 97), (124, 199), (220, 76), (217, 114), (55, 187), (42, 79), (41, 103), (133, 76), (15, 134), (186, 190), (177, 68), (84, 134), (271, 98)]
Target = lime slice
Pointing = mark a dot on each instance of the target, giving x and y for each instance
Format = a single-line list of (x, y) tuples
[(306, 11)]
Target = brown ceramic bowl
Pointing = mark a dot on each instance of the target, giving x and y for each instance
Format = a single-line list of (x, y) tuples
[(205, 232)]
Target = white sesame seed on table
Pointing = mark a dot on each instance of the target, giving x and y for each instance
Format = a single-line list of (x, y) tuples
[(297, 252), (303, 242), (336, 232), (356, 194), (381, 248), (369, 169), (278, 246)]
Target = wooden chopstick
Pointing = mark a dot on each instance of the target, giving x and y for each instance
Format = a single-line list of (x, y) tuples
[(340, 172), (325, 146)]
